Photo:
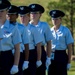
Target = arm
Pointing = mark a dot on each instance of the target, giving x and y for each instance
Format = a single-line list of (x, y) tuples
[(39, 62), (26, 62), (26, 52), (48, 48), (25, 39), (48, 51), (17, 54), (69, 52), (38, 51), (16, 41)]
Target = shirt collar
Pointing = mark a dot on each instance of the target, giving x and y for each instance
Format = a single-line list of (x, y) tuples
[(37, 23), (60, 28)]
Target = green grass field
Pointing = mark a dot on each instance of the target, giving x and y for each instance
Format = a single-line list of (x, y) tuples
[(72, 70)]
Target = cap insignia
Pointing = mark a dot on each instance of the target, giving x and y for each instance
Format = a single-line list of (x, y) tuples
[(33, 6), (22, 8)]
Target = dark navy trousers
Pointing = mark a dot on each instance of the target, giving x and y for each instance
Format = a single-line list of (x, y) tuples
[(59, 64), (6, 62)]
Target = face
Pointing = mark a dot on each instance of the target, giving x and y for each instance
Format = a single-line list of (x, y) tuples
[(25, 18), (56, 21), (12, 17), (35, 16), (3, 14)]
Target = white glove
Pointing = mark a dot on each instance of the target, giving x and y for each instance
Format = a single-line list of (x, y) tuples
[(48, 62), (14, 69), (38, 63), (25, 65), (68, 66)]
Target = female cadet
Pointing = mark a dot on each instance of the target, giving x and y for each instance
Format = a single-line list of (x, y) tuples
[(34, 39), (11, 39), (12, 16), (62, 41), (44, 29)]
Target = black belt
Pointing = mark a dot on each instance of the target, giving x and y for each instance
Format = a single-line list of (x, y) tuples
[(1, 52), (58, 51), (41, 47)]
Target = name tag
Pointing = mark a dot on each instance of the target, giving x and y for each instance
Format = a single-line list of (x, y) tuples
[(52, 56)]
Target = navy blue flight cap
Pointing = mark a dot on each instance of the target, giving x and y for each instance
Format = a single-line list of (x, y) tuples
[(4, 4), (56, 13), (24, 10), (36, 8), (13, 9)]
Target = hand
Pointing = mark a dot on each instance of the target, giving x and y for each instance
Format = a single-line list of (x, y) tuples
[(25, 65), (68, 66), (38, 63), (48, 62), (14, 69)]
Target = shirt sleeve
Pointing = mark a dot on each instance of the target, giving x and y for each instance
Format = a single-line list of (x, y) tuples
[(37, 36), (69, 38), (25, 37), (16, 38), (48, 33)]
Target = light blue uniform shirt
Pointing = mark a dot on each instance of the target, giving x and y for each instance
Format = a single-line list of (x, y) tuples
[(11, 36), (45, 31), (31, 40), (34, 36), (24, 36), (61, 38), (1, 34)]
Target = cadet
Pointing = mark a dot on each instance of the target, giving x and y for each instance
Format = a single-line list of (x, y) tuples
[(24, 46), (35, 15), (11, 39), (34, 39), (62, 41)]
